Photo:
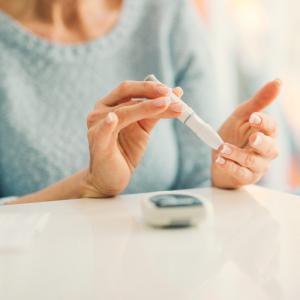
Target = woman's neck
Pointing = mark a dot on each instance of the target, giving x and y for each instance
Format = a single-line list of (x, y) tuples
[(66, 21)]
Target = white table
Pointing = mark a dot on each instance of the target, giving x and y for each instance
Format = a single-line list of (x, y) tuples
[(248, 247)]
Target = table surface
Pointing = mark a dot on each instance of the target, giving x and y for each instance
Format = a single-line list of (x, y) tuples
[(246, 247)]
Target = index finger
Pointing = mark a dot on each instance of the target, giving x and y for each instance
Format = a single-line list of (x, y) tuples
[(135, 89), (263, 98)]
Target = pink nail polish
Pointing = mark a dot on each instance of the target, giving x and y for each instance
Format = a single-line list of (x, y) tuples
[(255, 119), (162, 89), (258, 140), (220, 160), (110, 118), (176, 106), (226, 150), (162, 102)]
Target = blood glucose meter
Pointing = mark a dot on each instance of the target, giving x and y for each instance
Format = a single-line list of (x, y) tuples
[(172, 210)]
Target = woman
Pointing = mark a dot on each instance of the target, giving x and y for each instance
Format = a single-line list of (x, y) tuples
[(57, 57)]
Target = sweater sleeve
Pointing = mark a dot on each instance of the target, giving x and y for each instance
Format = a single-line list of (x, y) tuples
[(6, 200), (193, 71)]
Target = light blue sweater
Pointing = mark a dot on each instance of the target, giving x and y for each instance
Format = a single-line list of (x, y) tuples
[(47, 91)]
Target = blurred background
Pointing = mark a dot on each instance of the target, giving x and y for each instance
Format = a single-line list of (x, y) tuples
[(254, 41)]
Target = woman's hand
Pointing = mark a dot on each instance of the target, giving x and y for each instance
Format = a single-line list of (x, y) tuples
[(118, 132), (250, 142)]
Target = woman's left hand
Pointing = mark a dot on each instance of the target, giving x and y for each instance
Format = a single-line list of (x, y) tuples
[(250, 142)]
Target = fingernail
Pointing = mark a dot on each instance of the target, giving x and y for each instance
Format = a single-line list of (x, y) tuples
[(226, 150), (176, 106), (258, 140), (110, 118), (279, 81), (162, 89), (255, 119), (220, 160), (161, 102), (181, 90)]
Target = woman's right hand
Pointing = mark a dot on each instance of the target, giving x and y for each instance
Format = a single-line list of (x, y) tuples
[(118, 132)]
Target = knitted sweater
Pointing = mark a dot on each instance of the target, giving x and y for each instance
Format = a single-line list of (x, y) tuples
[(48, 89)]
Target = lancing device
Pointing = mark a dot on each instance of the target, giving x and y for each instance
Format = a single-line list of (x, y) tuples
[(188, 117)]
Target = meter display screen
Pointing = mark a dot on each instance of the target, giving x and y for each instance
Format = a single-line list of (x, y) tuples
[(173, 200)]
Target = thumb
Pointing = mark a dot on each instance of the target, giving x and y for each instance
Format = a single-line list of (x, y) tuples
[(149, 124), (263, 98)]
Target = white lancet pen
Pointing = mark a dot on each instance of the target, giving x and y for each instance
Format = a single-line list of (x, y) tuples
[(190, 119)]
